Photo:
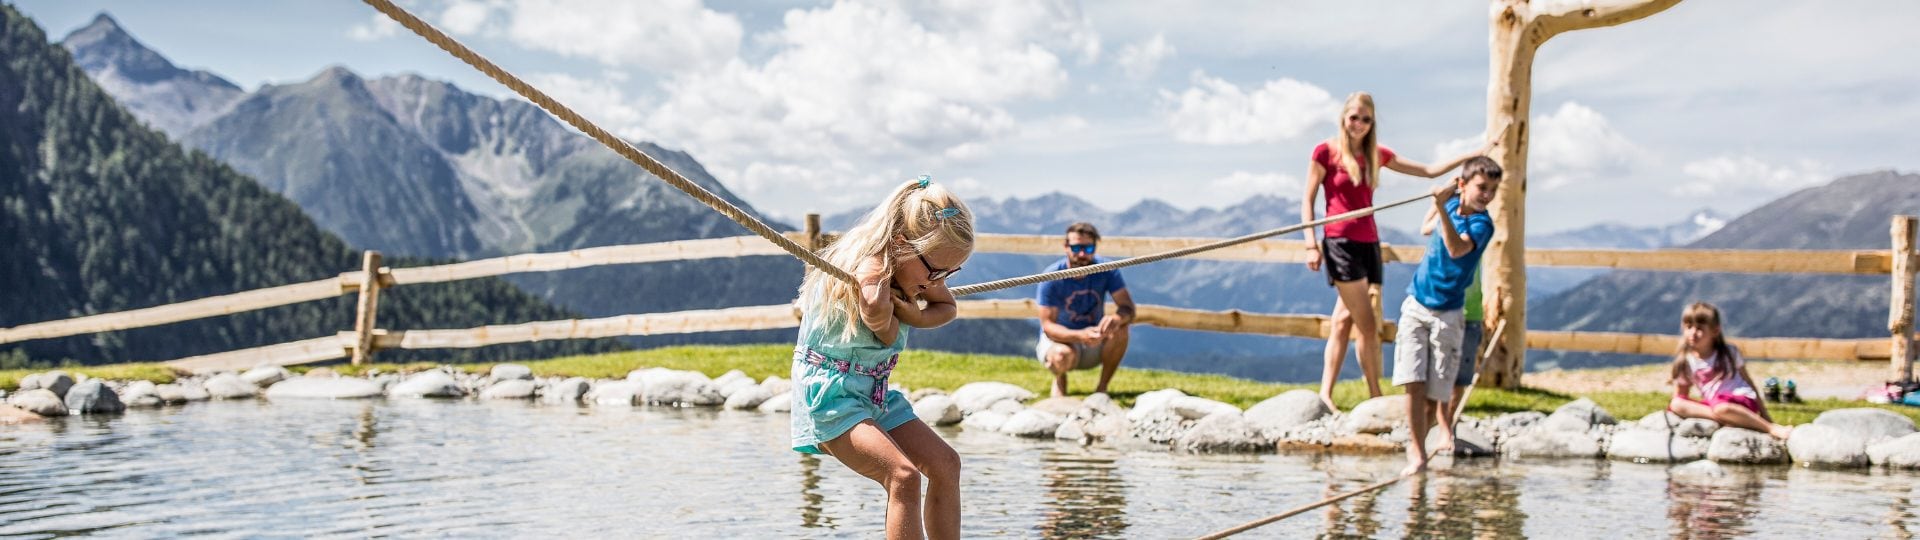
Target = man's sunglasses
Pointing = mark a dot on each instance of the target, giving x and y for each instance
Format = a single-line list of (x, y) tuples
[(1081, 249), (933, 274)]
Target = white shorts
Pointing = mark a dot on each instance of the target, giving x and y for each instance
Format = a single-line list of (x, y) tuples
[(1427, 348), (1086, 355)]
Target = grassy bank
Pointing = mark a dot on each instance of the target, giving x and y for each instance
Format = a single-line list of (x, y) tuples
[(919, 369)]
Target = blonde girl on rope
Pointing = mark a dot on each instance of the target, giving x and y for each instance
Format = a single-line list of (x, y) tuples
[(851, 337), (1347, 166)]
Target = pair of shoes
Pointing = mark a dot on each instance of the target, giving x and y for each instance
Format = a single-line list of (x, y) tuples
[(1773, 389), (1791, 394)]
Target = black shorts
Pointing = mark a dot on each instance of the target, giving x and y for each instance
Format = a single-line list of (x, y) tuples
[(1347, 260)]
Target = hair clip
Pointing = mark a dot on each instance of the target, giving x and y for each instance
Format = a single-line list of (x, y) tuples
[(945, 213), (924, 180)]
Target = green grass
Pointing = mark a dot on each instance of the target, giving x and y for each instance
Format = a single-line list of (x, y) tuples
[(158, 373), (921, 369)]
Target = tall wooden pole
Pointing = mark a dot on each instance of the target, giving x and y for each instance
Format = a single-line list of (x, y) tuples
[(1518, 28), (363, 320), (813, 232), (1900, 313)]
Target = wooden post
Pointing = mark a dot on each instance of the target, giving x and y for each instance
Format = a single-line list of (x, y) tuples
[(1900, 313), (363, 322), (813, 232), (1518, 29)]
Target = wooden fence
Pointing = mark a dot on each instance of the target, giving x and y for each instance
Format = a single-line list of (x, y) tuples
[(366, 337)]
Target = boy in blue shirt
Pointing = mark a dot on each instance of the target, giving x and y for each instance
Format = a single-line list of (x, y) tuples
[(1433, 318), (1075, 330)]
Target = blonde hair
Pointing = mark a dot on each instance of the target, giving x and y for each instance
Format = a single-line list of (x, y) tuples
[(926, 214), (1369, 144)]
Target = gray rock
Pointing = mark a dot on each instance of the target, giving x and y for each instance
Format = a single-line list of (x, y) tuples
[(938, 410), (1900, 453), (726, 381), (1655, 446), (3, 393), (1162, 425), (1008, 406), (230, 386), (141, 394), (1195, 408), (1664, 421), (1060, 406), (510, 372), (1097, 418), (1152, 403), (1580, 415), (779, 403), (750, 398), (55, 381), (1224, 431), (1289, 409), (675, 387), (1541, 443), (432, 383), (39, 401), (1031, 423), (625, 393), (1825, 445), (734, 386), (1514, 422), (1873, 425), (988, 420), (93, 397), (1468, 441), (566, 391), (509, 389), (777, 385), (1377, 415), (1072, 429), (264, 376), (1740, 445), (979, 396), (921, 393), (319, 388)]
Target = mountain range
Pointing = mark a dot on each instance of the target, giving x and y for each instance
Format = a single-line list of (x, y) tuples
[(100, 214)]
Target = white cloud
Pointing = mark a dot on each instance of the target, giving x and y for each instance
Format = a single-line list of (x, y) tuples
[(464, 17), (857, 95), (1576, 144), (375, 29), (1242, 184), (1732, 175), (1214, 111), (601, 101), (665, 35), (1141, 60)]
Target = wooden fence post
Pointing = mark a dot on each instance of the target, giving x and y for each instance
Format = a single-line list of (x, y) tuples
[(1900, 313), (363, 322), (813, 232)]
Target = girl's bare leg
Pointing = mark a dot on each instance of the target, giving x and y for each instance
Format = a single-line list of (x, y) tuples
[(941, 465), (1729, 414), (869, 451)]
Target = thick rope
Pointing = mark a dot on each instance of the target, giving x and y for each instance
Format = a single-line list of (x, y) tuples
[(625, 149), (978, 288), (1459, 408)]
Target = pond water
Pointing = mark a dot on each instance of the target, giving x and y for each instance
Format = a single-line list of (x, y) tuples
[(492, 469)]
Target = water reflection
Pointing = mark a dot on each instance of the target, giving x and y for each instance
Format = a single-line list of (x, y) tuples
[(1085, 496), (1472, 502), (1713, 505), (813, 514)]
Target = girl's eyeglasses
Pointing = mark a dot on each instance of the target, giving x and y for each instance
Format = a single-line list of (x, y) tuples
[(933, 274), (1081, 249)]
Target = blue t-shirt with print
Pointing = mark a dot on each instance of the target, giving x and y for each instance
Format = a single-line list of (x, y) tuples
[(1082, 301), (1441, 282)]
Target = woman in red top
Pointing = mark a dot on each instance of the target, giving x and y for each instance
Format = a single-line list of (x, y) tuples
[(1351, 250)]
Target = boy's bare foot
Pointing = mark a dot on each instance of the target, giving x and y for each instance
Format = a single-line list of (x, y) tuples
[(1445, 446), (1414, 468), (1780, 432)]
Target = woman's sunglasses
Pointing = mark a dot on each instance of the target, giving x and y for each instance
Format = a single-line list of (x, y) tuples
[(1081, 249), (1360, 119)]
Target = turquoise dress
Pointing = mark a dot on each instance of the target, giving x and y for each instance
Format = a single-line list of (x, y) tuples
[(837, 384)]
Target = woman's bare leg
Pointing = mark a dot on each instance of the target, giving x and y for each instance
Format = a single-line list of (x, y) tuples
[(1359, 303), (1336, 353)]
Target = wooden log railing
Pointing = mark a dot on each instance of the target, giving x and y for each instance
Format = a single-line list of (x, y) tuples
[(1900, 262)]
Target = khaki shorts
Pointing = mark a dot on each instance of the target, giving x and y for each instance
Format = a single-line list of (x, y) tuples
[(1427, 349), (1086, 356)]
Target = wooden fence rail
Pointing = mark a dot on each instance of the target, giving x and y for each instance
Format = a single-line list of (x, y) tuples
[(786, 316)]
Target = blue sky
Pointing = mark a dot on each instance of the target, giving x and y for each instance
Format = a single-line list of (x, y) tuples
[(808, 106)]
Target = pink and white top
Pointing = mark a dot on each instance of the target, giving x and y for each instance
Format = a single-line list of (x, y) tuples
[(1713, 384)]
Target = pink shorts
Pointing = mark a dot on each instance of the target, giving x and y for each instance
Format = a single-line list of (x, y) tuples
[(1735, 399)]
